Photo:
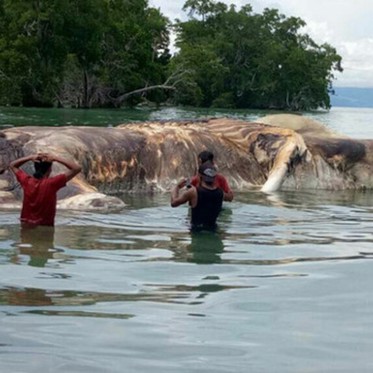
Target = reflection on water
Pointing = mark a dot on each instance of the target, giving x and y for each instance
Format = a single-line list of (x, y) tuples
[(109, 117), (206, 247), (37, 243), (282, 285)]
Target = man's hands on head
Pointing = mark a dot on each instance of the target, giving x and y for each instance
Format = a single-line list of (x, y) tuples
[(43, 157)]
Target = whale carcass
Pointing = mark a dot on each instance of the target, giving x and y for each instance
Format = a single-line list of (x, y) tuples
[(283, 151)]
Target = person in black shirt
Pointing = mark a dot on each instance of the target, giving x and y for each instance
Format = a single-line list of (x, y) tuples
[(205, 200)]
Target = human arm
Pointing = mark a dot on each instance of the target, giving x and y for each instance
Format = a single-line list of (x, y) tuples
[(73, 168), (195, 180), (222, 183), (16, 164), (178, 199), (228, 196)]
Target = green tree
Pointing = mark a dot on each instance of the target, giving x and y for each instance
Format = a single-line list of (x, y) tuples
[(120, 49), (31, 52), (82, 53), (84, 22), (135, 50), (241, 59)]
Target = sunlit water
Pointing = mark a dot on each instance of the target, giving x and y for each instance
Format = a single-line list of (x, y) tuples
[(283, 286)]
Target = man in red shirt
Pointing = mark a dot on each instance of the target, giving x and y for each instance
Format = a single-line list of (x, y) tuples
[(40, 190), (220, 181)]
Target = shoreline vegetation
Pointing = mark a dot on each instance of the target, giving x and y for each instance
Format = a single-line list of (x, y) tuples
[(112, 54)]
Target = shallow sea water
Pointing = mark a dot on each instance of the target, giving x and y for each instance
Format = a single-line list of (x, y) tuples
[(283, 286)]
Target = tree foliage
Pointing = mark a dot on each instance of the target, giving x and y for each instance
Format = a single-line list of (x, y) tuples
[(87, 53), (82, 53), (240, 59)]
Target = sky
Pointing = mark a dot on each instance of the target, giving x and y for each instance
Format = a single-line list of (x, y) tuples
[(345, 24)]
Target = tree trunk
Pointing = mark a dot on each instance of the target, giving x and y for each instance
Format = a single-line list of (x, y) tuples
[(85, 90)]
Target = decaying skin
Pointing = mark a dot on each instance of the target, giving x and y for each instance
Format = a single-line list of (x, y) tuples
[(336, 163), (152, 156)]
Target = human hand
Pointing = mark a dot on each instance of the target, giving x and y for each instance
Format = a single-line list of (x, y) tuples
[(44, 157), (36, 157), (182, 183)]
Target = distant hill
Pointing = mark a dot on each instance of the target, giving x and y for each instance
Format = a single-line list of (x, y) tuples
[(352, 97)]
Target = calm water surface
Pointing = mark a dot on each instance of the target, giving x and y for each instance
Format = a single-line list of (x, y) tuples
[(285, 285), (355, 122)]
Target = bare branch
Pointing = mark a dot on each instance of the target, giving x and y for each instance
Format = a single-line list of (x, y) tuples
[(118, 100)]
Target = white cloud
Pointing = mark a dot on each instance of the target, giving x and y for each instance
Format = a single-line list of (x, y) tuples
[(346, 25), (358, 66)]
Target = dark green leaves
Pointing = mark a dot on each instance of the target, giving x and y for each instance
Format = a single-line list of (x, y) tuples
[(80, 53), (245, 60)]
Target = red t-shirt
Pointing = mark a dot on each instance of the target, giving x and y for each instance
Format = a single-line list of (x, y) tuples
[(39, 198), (220, 182)]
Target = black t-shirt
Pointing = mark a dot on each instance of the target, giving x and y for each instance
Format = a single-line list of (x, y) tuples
[(208, 207)]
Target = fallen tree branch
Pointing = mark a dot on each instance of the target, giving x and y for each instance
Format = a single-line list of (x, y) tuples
[(119, 100)]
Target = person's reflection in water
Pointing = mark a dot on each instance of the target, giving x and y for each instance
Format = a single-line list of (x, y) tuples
[(206, 247), (38, 243)]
